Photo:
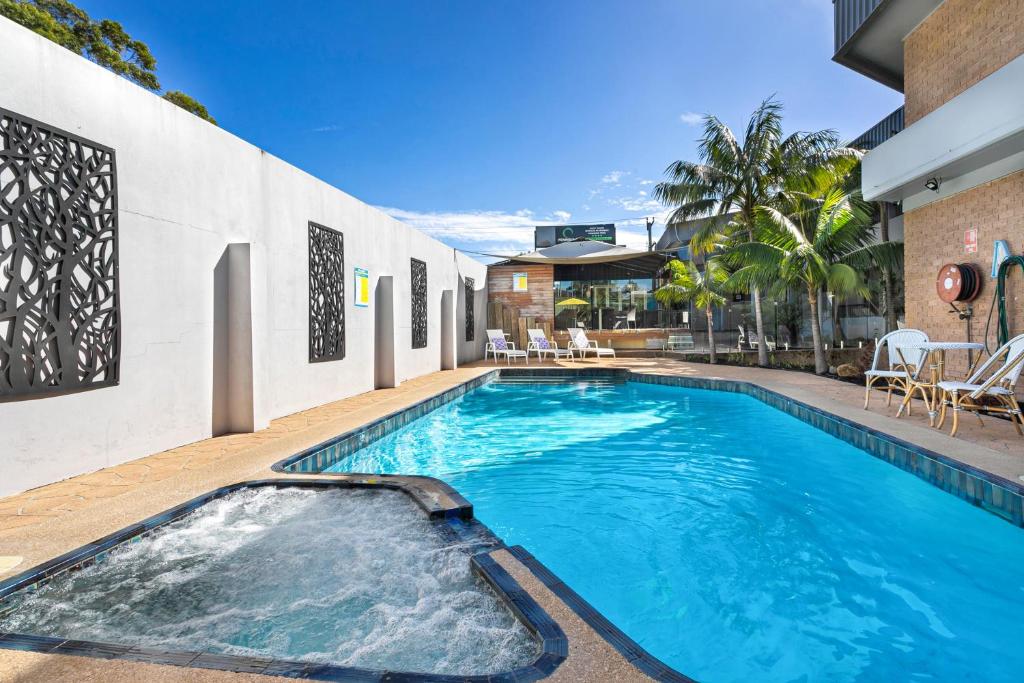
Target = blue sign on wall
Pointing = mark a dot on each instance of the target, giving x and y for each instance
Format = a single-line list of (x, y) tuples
[(1000, 252)]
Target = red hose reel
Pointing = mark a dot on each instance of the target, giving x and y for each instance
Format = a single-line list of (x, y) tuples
[(958, 282)]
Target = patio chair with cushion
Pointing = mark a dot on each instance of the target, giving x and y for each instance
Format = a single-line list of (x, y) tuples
[(900, 345), (542, 346), (499, 345), (578, 342), (1003, 369)]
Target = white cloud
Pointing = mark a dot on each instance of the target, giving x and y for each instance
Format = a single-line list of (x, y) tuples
[(645, 182), (507, 233), (475, 227), (691, 118), (637, 203), (613, 177), (326, 129)]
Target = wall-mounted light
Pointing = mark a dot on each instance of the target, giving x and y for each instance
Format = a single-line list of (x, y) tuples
[(932, 184)]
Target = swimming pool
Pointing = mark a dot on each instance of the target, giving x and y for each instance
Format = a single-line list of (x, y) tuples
[(730, 539)]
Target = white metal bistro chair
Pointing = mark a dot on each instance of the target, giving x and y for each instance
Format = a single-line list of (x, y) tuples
[(1000, 385), (542, 346), (900, 346), (579, 343), (499, 345)]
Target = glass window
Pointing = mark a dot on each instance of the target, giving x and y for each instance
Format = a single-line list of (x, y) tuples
[(605, 304)]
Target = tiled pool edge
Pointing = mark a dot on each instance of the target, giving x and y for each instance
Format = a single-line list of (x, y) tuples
[(997, 495), (553, 642), (988, 491), (315, 459)]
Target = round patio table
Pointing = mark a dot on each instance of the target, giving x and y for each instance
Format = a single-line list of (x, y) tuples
[(929, 388)]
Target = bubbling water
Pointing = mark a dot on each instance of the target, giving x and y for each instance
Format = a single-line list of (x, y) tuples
[(348, 577)]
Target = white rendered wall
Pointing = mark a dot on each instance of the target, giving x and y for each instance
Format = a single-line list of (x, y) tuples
[(976, 137), (186, 190)]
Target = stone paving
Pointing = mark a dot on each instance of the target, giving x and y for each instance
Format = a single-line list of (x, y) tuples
[(47, 521)]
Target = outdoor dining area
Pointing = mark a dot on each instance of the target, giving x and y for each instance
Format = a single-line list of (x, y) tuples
[(916, 366)]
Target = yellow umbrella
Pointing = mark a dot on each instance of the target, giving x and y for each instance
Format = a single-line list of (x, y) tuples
[(573, 301)]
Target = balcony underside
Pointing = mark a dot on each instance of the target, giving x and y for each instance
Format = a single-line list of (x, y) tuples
[(976, 137)]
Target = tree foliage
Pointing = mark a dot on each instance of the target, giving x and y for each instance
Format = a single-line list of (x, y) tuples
[(820, 241), (706, 289), (103, 41), (734, 176), (188, 104)]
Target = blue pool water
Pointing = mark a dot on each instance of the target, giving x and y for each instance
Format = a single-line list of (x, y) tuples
[(731, 540)]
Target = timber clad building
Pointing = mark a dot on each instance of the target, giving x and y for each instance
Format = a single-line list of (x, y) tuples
[(953, 157), (598, 285)]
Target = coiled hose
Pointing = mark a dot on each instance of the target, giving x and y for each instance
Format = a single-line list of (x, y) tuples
[(999, 301)]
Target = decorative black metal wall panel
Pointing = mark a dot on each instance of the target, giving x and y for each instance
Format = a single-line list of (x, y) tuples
[(470, 285), (326, 294), (59, 310), (419, 304)]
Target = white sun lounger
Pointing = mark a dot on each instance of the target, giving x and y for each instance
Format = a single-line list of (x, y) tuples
[(542, 346), (498, 345), (579, 343)]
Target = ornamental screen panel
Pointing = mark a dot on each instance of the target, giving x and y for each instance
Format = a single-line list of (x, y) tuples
[(419, 304), (60, 323), (326, 294), (470, 313)]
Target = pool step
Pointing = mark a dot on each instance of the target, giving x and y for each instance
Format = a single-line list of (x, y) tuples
[(597, 382)]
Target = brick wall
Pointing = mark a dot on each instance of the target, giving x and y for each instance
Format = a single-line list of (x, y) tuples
[(536, 302), (934, 236), (959, 44)]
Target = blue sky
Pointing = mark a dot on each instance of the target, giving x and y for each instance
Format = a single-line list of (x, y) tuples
[(476, 120)]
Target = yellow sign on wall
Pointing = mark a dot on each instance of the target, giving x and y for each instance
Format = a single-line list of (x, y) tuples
[(362, 287), (519, 282)]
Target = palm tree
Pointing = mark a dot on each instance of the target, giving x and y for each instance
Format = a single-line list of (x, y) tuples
[(824, 242), (705, 289), (736, 177)]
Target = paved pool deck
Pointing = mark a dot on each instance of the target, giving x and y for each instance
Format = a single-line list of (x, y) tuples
[(47, 521)]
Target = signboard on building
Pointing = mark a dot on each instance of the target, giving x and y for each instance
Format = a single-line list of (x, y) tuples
[(362, 287), (519, 283), (550, 235), (971, 241)]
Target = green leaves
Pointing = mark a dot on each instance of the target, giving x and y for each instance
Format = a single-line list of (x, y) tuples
[(705, 289), (104, 42), (188, 104)]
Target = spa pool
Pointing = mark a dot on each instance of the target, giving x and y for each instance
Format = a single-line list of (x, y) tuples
[(286, 579)]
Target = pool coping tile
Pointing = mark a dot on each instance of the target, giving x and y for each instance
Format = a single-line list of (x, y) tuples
[(990, 492)]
